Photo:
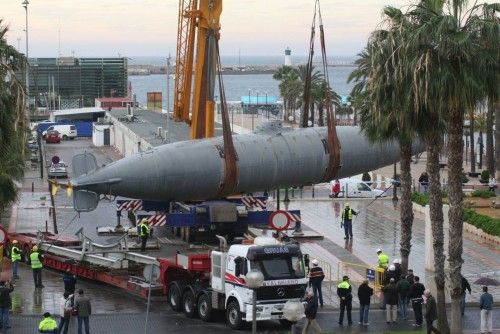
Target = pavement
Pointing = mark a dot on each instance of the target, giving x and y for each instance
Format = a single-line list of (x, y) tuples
[(376, 226)]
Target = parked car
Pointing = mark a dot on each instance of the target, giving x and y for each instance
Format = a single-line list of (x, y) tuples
[(357, 188), (57, 170), (52, 137), (66, 131)]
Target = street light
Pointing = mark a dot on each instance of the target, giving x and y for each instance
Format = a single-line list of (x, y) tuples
[(293, 311), (254, 280), (267, 108), (25, 5)]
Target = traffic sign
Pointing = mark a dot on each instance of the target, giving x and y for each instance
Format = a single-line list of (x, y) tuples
[(370, 274), (3, 235), (55, 159), (279, 220)]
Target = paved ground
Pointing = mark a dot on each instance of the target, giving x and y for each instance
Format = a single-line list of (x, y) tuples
[(376, 226)]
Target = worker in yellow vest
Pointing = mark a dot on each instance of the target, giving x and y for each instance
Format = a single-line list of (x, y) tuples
[(383, 259), (36, 260), (145, 232), (15, 257), (344, 291), (48, 324)]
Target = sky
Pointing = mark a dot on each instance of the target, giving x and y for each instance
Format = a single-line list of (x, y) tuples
[(110, 28)]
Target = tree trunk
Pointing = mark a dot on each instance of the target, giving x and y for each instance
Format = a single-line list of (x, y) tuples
[(490, 160), (320, 115), (472, 151), (433, 141), (455, 243), (356, 118), (406, 205)]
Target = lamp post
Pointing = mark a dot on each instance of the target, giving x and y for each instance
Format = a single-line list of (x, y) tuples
[(267, 108), (25, 5), (254, 280), (293, 311)]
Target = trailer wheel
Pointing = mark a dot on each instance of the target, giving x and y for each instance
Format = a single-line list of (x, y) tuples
[(233, 315), (285, 323), (205, 307), (188, 305), (175, 296), (25, 254)]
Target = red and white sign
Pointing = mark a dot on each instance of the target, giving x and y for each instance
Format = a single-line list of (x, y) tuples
[(279, 220)]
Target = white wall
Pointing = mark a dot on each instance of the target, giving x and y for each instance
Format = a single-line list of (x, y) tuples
[(125, 140), (98, 134)]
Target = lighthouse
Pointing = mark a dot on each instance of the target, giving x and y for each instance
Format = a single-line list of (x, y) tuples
[(288, 57)]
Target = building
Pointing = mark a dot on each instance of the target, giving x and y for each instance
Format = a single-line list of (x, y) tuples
[(68, 82)]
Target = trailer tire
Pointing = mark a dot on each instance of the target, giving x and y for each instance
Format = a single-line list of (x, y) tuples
[(175, 297), (205, 307), (285, 323), (233, 315), (188, 304)]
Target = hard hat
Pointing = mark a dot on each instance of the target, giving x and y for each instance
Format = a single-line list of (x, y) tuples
[(15, 241), (35, 248), (347, 204), (396, 261), (315, 262), (392, 267), (144, 221), (379, 250), (345, 278)]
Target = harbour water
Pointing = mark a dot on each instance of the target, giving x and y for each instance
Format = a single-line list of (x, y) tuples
[(236, 85)]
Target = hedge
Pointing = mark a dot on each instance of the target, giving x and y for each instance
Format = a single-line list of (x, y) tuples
[(485, 223), (482, 194), (420, 198)]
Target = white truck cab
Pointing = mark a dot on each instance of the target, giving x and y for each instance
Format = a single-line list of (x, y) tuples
[(353, 187)]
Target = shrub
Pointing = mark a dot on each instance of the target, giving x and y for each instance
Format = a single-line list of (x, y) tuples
[(465, 179), (485, 175), (420, 198), (482, 194), (485, 223), (366, 177)]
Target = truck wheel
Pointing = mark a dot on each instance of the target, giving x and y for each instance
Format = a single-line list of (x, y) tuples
[(188, 305), (205, 307), (175, 297), (233, 315), (65, 137)]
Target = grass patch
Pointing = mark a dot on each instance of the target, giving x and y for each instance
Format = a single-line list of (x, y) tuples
[(485, 223), (482, 194)]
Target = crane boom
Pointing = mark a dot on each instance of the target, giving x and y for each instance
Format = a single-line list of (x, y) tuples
[(199, 22)]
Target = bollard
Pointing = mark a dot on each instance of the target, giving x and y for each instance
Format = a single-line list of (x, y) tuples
[(313, 191), (32, 187), (46, 227)]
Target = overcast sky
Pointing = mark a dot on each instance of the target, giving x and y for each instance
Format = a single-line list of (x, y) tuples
[(149, 27)]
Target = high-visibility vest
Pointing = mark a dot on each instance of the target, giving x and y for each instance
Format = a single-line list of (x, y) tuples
[(47, 324), (349, 214), (15, 256), (142, 230), (344, 285), (35, 261), (383, 260)]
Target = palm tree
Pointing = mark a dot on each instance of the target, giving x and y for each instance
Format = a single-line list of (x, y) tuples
[(12, 120)]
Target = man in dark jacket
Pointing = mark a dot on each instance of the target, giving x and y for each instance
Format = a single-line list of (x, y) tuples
[(410, 277), (316, 276), (403, 288), (5, 302), (344, 291), (465, 287), (311, 308), (391, 299), (69, 282), (430, 312), (364, 295), (416, 292), (82, 305)]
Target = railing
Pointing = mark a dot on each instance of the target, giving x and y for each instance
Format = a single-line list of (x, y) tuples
[(359, 272)]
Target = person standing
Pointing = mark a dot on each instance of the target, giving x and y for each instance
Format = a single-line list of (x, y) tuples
[(336, 189), (364, 295), (416, 293), (424, 181), (398, 270), (430, 312), (84, 309), (144, 233), (383, 259), (316, 277), (410, 277), (403, 288), (5, 303), (344, 291), (465, 287), (486, 306), (48, 324), (347, 214), (391, 299), (65, 312), (69, 282), (15, 257), (36, 260), (492, 184), (311, 308)]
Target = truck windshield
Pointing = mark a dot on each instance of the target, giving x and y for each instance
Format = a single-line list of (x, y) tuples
[(279, 267)]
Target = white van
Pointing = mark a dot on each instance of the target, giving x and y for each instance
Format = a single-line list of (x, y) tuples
[(357, 188), (66, 131)]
